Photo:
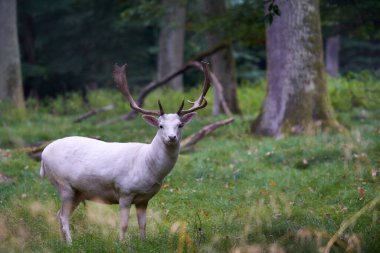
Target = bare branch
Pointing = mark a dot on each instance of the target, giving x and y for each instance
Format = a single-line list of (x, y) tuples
[(93, 112), (190, 141)]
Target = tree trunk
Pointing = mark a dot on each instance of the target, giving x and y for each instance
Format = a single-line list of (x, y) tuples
[(10, 69), (222, 63), (171, 41), (297, 90), (332, 55)]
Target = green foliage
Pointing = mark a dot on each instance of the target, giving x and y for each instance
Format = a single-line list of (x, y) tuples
[(360, 90), (251, 97), (272, 11)]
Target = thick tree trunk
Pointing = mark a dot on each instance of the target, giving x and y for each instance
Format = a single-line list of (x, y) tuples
[(332, 55), (297, 91), (223, 63), (10, 69), (171, 41)]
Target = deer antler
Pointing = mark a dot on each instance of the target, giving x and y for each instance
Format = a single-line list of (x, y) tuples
[(122, 84), (201, 102)]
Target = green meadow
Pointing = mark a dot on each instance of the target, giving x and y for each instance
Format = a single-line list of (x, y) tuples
[(233, 193)]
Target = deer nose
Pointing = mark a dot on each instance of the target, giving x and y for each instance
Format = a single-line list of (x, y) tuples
[(172, 137)]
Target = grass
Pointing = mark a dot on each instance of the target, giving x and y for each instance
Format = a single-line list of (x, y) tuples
[(234, 193)]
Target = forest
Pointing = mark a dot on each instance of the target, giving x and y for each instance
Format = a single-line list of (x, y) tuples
[(281, 154)]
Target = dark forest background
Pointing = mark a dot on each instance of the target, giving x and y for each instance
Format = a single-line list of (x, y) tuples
[(72, 45)]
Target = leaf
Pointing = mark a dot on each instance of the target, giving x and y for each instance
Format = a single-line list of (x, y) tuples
[(361, 192), (270, 18), (276, 10), (272, 183), (271, 6), (204, 213)]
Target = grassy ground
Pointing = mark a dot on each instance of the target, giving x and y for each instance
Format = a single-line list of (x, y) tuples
[(234, 193)]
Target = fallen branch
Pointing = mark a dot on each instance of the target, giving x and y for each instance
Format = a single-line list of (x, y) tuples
[(190, 141), (35, 150), (351, 221), (93, 112)]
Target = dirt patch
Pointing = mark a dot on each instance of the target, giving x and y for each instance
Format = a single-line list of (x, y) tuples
[(5, 179), (4, 154)]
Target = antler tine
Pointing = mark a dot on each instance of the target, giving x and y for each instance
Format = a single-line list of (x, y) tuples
[(201, 102), (181, 107), (161, 108), (121, 81)]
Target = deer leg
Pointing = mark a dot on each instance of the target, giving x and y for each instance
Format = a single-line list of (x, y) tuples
[(141, 218), (125, 207), (69, 203)]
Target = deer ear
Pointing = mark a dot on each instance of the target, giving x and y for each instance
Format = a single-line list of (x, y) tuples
[(188, 117), (151, 120)]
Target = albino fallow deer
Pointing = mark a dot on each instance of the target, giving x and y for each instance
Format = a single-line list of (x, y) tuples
[(118, 173)]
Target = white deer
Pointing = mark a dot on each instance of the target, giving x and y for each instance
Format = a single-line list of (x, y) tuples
[(117, 173)]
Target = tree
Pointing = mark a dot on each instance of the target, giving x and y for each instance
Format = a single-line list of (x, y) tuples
[(297, 90), (171, 41), (223, 63), (10, 70), (332, 55)]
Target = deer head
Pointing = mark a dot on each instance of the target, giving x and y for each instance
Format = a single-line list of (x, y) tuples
[(169, 125)]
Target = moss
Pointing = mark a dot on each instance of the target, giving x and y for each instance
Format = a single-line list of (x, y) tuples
[(14, 88)]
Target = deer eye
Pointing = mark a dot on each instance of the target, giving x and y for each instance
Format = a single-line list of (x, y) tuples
[(161, 126), (180, 125)]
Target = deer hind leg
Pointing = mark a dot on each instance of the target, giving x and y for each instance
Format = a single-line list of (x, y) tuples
[(125, 203), (70, 201), (141, 218)]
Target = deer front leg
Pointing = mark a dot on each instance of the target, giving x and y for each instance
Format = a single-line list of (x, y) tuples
[(125, 207), (141, 218)]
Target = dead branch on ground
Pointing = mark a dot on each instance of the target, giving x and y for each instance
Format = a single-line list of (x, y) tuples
[(189, 142), (93, 113), (352, 220)]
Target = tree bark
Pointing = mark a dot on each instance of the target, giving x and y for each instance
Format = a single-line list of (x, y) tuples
[(10, 67), (222, 62), (297, 94), (332, 55), (171, 41)]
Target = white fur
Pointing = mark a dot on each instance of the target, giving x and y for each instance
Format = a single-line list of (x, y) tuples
[(113, 173)]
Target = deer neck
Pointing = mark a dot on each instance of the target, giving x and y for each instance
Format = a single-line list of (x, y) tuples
[(161, 158)]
